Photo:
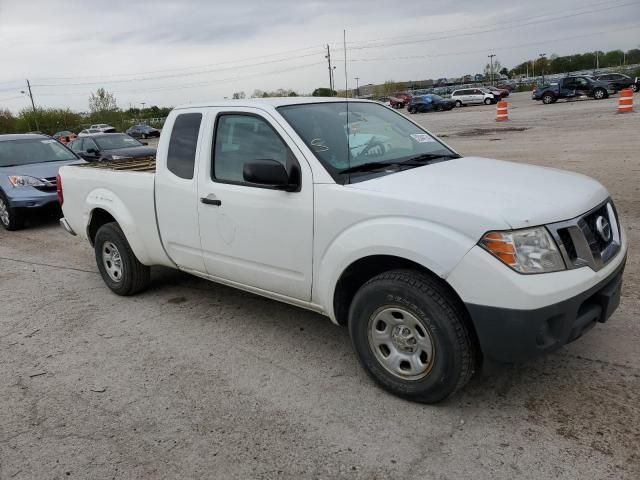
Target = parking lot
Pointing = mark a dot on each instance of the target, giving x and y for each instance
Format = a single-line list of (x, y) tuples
[(191, 379)]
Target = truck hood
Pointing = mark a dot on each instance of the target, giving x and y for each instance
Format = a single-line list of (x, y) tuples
[(491, 194), (38, 170)]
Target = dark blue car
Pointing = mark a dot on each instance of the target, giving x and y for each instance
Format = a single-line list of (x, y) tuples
[(28, 168)]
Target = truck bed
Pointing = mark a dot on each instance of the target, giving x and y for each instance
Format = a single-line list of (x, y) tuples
[(144, 164)]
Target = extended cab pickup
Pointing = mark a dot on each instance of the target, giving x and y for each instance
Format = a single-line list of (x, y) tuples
[(572, 87), (437, 263)]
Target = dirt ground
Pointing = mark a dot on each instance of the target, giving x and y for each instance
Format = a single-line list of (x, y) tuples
[(196, 380)]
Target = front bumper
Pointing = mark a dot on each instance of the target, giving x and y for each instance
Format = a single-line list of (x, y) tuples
[(30, 197), (514, 336)]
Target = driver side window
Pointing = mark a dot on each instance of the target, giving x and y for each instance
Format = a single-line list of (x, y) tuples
[(240, 138)]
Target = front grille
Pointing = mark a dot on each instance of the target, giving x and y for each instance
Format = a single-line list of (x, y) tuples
[(591, 239)]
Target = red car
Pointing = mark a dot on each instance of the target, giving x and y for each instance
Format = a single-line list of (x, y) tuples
[(400, 100)]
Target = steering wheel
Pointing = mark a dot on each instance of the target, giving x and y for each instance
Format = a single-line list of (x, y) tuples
[(373, 149)]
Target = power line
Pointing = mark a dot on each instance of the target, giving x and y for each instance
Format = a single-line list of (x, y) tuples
[(468, 34), (482, 50), (527, 18)]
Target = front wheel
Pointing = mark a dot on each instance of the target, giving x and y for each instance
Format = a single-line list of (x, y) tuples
[(458, 103), (635, 87), (487, 101), (600, 93), (547, 98), (120, 269), (10, 218), (411, 336)]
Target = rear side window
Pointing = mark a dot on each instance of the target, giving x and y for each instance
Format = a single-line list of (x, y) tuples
[(181, 157)]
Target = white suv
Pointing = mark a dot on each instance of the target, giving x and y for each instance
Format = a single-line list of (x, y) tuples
[(468, 96)]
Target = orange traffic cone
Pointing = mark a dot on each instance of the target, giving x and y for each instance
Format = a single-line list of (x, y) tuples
[(625, 102), (502, 111)]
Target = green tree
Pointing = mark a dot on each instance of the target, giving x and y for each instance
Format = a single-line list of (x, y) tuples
[(7, 122), (238, 95), (102, 101), (324, 92)]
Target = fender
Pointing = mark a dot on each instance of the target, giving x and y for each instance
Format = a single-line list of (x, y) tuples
[(434, 246), (143, 236)]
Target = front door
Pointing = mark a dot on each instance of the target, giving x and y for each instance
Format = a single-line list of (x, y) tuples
[(255, 236)]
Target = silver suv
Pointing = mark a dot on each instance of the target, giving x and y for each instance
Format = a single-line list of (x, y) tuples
[(470, 96)]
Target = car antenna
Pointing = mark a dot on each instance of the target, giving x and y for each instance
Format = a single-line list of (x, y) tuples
[(346, 96)]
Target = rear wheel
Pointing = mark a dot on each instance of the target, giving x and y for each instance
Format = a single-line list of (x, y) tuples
[(120, 269), (144, 135), (411, 336), (10, 218), (547, 98), (487, 101), (458, 103)]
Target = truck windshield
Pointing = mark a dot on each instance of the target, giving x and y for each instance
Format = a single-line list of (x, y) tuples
[(30, 151), (111, 142), (364, 135)]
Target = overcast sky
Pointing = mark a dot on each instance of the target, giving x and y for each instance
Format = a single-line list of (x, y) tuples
[(169, 52)]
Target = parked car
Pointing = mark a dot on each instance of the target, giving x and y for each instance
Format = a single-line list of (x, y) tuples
[(29, 164), (90, 131), (498, 92), (470, 96), (428, 103), (400, 100), (435, 262), (65, 136), (572, 87), (110, 146), (103, 127), (143, 131), (618, 81)]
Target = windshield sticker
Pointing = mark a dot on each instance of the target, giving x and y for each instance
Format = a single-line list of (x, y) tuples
[(422, 138), (48, 141)]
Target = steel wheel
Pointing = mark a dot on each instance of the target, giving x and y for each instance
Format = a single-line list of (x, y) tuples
[(112, 261), (4, 213), (401, 343)]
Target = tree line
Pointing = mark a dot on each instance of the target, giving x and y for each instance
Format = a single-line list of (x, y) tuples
[(579, 61)]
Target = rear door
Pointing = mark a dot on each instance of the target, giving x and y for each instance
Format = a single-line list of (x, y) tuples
[(251, 235), (177, 190)]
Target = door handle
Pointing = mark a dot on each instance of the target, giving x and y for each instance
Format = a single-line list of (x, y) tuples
[(211, 200)]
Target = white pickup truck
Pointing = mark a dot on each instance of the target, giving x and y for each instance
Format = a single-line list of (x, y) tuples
[(437, 263)]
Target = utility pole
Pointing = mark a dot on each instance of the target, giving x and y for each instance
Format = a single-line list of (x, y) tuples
[(357, 86), (346, 83), (597, 61), (35, 113), (491, 60), (328, 57), (542, 55)]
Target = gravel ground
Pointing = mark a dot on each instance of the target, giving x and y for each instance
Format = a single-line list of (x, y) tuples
[(196, 380)]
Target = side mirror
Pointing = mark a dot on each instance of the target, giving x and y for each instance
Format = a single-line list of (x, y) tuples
[(93, 151), (268, 173)]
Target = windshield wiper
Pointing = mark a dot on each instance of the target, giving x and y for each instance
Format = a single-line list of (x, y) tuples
[(367, 167), (425, 157)]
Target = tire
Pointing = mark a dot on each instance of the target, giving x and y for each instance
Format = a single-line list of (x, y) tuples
[(10, 218), (600, 94), (404, 309), (438, 108), (144, 136), (488, 101), (458, 103), (120, 269), (548, 98), (411, 110), (635, 87)]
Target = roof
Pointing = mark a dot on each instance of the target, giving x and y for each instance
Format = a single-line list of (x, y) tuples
[(22, 136), (270, 102), (102, 134)]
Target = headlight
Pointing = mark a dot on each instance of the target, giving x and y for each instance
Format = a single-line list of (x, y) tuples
[(25, 181), (119, 157), (530, 250)]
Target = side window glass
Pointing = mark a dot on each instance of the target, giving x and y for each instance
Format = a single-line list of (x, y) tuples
[(181, 156), (88, 143), (242, 138), (76, 146)]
